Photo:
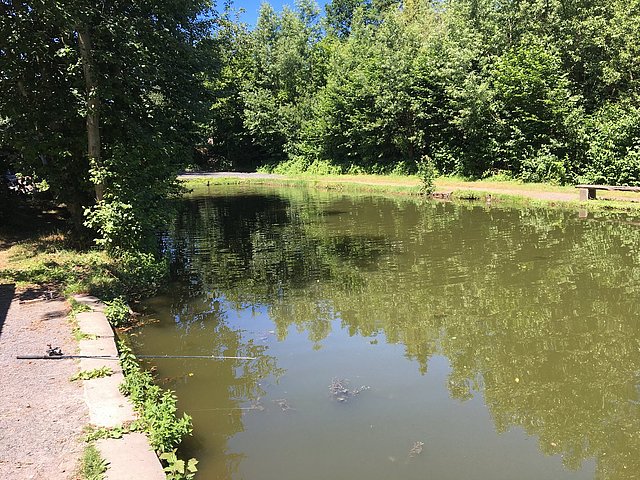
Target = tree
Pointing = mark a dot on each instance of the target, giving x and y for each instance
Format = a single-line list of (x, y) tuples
[(228, 144), (339, 15), (101, 102), (286, 70)]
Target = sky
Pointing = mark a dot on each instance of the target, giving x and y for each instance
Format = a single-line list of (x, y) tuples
[(251, 8)]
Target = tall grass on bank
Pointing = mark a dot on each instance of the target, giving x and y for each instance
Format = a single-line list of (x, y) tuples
[(47, 262)]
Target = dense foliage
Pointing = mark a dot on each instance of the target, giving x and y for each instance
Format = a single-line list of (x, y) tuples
[(539, 90), (99, 103)]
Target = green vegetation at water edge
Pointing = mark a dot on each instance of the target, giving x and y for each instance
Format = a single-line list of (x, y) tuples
[(457, 189), (48, 262), (158, 415)]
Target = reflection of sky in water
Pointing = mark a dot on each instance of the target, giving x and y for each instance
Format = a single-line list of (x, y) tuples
[(480, 332)]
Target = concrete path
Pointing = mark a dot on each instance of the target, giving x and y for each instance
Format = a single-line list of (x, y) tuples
[(190, 175), (129, 457)]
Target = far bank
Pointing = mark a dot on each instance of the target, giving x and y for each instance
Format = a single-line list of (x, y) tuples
[(508, 193)]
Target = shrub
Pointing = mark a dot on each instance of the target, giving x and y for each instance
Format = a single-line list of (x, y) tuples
[(140, 274), (544, 167), (427, 173), (117, 312)]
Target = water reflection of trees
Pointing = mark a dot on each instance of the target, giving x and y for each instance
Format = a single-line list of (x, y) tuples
[(201, 327), (534, 307)]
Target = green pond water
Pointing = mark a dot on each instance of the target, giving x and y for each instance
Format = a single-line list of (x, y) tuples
[(461, 341)]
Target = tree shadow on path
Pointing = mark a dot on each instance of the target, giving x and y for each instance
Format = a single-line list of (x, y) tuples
[(6, 296)]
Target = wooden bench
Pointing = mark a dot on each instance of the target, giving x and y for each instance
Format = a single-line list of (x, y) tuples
[(588, 192)]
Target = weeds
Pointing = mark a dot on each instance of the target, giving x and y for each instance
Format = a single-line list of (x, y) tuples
[(177, 469), (158, 414), (93, 466), (117, 312), (91, 374), (427, 173), (94, 434), (76, 308)]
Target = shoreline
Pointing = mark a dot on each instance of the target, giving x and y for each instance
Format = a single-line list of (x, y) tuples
[(507, 193)]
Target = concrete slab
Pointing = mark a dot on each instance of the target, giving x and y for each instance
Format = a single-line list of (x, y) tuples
[(130, 457), (94, 323), (104, 346), (98, 346), (107, 406), (90, 301)]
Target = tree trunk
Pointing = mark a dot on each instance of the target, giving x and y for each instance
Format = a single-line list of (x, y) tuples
[(93, 104)]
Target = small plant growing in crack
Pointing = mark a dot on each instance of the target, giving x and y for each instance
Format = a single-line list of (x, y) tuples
[(90, 374)]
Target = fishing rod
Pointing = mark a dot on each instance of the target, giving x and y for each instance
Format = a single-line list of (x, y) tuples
[(55, 353), (112, 357)]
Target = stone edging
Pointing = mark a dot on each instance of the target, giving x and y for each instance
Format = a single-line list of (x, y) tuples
[(130, 456)]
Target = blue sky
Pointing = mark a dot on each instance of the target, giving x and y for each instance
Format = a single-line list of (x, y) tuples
[(251, 8)]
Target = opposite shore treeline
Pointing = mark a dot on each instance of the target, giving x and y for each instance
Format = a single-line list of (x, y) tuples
[(102, 104)]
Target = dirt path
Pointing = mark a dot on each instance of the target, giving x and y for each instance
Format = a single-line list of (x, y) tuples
[(190, 175), (550, 194), (42, 413), (395, 181)]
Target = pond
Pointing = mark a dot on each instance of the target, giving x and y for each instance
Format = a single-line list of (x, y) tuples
[(397, 338)]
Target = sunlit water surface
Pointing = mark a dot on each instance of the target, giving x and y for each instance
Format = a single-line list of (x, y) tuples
[(471, 342)]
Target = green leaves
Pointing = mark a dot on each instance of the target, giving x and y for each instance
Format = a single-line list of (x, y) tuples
[(177, 469), (140, 77), (91, 374), (158, 415), (117, 312)]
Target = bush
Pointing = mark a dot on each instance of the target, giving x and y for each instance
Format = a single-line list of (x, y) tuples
[(613, 148), (117, 312), (544, 167), (427, 173), (117, 225), (140, 274)]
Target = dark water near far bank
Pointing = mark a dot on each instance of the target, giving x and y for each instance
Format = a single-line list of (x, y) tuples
[(506, 341)]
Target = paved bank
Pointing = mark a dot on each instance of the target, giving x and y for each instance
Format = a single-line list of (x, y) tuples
[(42, 413), (131, 456)]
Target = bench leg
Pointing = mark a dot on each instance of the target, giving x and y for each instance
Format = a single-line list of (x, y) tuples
[(587, 194)]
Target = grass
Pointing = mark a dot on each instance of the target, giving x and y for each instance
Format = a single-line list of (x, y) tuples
[(92, 466), (46, 261), (502, 191), (77, 307)]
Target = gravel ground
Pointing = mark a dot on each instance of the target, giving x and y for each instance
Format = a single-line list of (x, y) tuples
[(42, 413)]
